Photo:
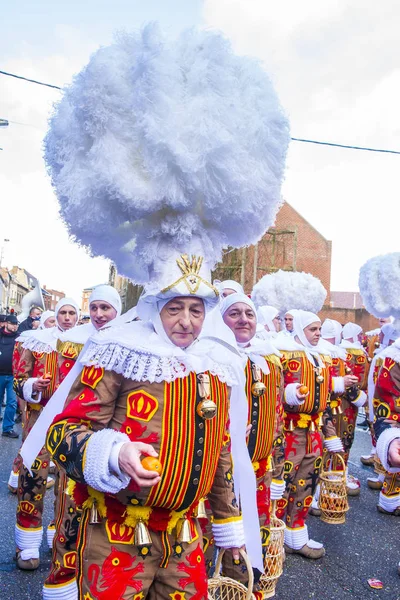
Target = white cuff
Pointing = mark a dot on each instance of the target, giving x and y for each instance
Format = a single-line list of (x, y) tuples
[(361, 399), (338, 385), (228, 535), (27, 390), (61, 591), (382, 447), (297, 537), (113, 461), (277, 489), (96, 471), (389, 503), (28, 539), (290, 395), (334, 444)]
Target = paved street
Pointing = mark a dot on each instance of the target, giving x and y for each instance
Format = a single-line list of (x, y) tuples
[(366, 546)]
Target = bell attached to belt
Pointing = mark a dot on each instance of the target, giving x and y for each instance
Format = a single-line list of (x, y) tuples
[(201, 510), (142, 536), (320, 421), (258, 388), (339, 410), (206, 409), (334, 411), (184, 535), (94, 514), (348, 370), (319, 378), (312, 426), (291, 425)]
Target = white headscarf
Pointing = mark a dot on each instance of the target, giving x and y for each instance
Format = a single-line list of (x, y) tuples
[(107, 293), (389, 333), (301, 320), (351, 331), (65, 302), (230, 284), (44, 316), (331, 329), (234, 299), (266, 315)]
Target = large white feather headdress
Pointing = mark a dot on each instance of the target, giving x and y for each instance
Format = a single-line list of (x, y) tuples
[(379, 283), (286, 290), (161, 147)]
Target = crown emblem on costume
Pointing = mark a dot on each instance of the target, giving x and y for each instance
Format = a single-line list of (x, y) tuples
[(191, 278)]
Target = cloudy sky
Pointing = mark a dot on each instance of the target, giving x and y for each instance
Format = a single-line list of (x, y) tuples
[(335, 66)]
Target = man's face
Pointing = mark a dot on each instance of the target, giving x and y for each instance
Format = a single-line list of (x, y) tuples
[(10, 327), (313, 333), (35, 312), (241, 319), (50, 322), (101, 313), (182, 319), (67, 317), (289, 322), (227, 292), (35, 324)]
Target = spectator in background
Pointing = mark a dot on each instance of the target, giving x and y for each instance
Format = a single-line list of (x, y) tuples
[(34, 315), (8, 335)]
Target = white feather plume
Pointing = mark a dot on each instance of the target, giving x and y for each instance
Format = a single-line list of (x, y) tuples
[(157, 143), (379, 283), (286, 290)]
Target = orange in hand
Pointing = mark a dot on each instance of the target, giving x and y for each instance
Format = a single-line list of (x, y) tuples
[(303, 389), (152, 464)]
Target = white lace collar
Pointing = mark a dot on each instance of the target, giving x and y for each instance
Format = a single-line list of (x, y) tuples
[(138, 353), (41, 340)]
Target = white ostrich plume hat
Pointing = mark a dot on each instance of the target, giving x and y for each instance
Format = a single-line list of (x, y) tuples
[(162, 148), (286, 290), (379, 283)]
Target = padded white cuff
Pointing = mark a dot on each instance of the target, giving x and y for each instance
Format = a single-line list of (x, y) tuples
[(290, 395), (360, 400), (50, 533), (60, 591), (334, 444), (97, 472), (27, 390), (277, 489), (382, 447), (28, 539), (228, 535), (13, 480), (296, 538), (114, 459), (338, 385)]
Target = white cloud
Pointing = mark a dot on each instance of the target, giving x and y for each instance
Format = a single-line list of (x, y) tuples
[(335, 67)]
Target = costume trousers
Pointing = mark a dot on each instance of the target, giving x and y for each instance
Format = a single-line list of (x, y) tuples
[(389, 497), (31, 492), (236, 569), (61, 581), (345, 425), (302, 467), (110, 566)]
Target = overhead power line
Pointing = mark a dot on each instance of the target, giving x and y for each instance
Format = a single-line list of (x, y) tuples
[(56, 87), (303, 140)]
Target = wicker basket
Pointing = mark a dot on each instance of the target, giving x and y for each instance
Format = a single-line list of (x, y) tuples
[(275, 556), (333, 496), (225, 588)]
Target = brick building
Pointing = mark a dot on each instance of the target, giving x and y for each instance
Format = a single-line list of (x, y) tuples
[(51, 297)]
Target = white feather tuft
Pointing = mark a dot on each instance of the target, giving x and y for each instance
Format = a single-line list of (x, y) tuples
[(379, 284), (157, 142), (286, 290)]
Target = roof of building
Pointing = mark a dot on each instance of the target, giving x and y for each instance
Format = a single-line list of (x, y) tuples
[(346, 300)]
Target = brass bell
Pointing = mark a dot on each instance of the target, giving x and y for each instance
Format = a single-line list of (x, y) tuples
[(376, 344), (348, 370), (321, 421), (312, 426), (334, 411), (271, 465), (94, 514), (320, 378), (201, 510), (291, 425), (339, 410), (206, 409), (258, 389), (184, 535), (142, 536)]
